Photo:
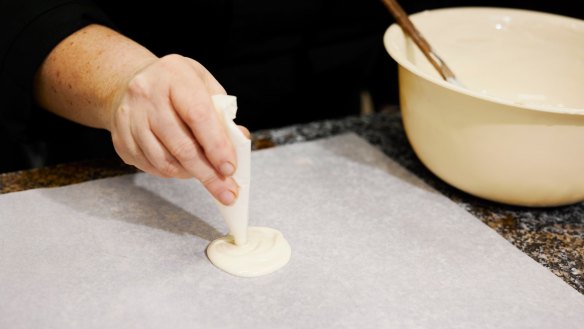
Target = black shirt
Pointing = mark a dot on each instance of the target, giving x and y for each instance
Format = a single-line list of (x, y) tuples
[(287, 63)]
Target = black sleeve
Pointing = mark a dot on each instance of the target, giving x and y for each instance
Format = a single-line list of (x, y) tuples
[(29, 30)]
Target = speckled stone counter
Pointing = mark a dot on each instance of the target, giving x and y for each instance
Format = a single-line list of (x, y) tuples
[(552, 236)]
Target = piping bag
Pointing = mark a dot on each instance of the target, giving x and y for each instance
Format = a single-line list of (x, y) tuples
[(236, 215)]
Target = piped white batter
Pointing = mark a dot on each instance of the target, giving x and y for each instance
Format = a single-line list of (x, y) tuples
[(265, 251), (252, 251)]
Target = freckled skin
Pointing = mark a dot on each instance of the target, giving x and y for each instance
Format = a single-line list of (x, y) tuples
[(90, 102)]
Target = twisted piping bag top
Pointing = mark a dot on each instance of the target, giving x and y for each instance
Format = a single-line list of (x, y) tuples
[(236, 215)]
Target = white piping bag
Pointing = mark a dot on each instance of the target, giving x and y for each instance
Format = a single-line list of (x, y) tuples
[(237, 214)]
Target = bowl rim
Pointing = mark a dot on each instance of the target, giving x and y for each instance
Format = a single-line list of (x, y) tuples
[(405, 63)]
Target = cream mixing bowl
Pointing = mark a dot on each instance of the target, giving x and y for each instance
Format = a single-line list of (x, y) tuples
[(514, 133)]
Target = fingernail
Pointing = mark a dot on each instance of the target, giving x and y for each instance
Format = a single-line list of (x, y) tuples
[(227, 169), (226, 197)]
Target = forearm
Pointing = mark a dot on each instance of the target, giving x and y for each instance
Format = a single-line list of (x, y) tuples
[(82, 77)]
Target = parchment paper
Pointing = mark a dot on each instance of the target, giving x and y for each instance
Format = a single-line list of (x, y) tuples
[(372, 247)]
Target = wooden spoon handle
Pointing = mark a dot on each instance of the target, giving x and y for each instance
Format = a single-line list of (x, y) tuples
[(410, 29)]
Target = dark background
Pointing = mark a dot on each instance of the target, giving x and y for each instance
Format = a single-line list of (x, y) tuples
[(288, 62)]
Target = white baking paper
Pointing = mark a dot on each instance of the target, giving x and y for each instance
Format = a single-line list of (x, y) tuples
[(373, 247)]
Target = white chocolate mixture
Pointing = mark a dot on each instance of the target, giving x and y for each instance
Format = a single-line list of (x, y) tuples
[(252, 251), (265, 251)]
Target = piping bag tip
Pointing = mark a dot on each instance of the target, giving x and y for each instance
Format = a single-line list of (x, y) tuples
[(236, 215)]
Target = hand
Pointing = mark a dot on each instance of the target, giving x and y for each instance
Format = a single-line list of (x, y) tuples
[(164, 123)]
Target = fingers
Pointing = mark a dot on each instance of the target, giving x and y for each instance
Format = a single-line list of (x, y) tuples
[(149, 150), (164, 163), (125, 145), (192, 101), (182, 145), (224, 189)]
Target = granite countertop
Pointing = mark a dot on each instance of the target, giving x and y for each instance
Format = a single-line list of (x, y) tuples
[(554, 237)]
